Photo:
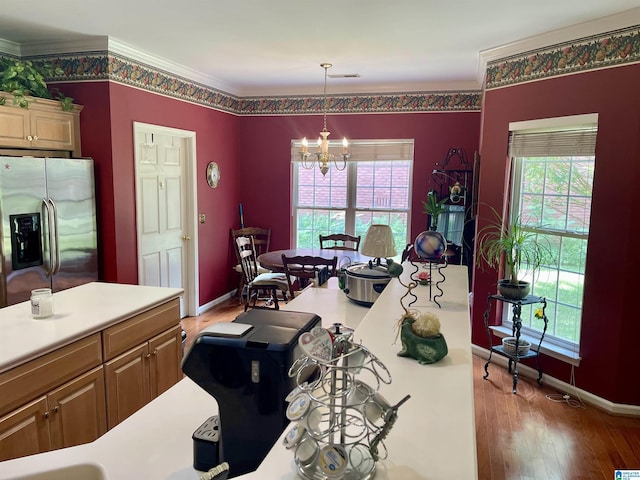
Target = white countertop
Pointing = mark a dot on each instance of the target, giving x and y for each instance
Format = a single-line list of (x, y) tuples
[(433, 438), (78, 312)]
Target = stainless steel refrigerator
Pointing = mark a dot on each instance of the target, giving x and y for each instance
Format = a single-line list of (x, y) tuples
[(48, 231)]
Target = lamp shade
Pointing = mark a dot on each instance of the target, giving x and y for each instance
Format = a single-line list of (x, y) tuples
[(378, 242)]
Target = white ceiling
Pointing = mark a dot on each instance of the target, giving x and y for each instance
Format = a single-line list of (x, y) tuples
[(275, 47)]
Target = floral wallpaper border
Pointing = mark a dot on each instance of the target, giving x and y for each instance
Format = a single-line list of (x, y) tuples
[(91, 66), (610, 49)]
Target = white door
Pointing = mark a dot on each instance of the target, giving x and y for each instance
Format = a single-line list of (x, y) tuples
[(164, 160)]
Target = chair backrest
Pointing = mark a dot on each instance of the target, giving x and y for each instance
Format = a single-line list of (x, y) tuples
[(340, 241), (261, 238), (304, 268), (246, 252)]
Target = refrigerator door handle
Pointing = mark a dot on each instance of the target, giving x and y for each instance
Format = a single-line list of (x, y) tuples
[(54, 209), (47, 211)]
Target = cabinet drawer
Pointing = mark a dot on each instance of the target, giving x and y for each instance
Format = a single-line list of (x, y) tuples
[(124, 336), (25, 382)]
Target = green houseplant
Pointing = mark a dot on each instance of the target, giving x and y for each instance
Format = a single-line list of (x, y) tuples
[(522, 250), (433, 207), (23, 78)]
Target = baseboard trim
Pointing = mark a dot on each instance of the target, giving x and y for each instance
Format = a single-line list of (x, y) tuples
[(216, 301), (587, 397)]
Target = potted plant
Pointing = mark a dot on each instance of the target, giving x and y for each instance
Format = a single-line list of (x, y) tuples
[(23, 78), (433, 207), (522, 250)]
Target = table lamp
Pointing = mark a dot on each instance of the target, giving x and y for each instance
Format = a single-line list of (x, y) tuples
[(378, 243)]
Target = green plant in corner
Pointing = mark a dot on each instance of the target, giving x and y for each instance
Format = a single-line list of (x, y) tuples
[(433, 207), (23, 78), (522, 249)]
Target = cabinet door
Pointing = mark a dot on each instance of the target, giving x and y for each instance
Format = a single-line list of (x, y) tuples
[(25, 431), (14, 127), (127, 384), (78, 410), (166, 355), (52, 130)]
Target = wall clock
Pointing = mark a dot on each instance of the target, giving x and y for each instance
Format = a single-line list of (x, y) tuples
[(213, 174)]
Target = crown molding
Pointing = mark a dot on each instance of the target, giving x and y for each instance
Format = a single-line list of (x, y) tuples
[(133, 53), (546, 40), (115, 46), (10, 48), (64, 47)]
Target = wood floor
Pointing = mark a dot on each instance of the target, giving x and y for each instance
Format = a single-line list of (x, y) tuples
[(525, 436)]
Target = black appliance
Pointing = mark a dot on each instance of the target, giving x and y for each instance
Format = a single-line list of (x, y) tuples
[(244, 365)]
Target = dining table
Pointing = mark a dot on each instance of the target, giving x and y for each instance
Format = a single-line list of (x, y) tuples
[(273, 260)]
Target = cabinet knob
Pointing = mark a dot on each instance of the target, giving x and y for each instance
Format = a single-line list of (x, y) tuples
[(29, 137), (155, 352), (56, 409), (45, 414), (148, 355), (35, 137)]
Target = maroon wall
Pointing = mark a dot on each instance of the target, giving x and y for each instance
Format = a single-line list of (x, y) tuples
[(265, 153), (107, 135), (610, 327)]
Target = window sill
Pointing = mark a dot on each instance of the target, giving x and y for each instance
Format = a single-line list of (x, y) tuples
[(562, 354)]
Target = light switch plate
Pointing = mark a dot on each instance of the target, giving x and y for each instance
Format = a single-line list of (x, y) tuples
[(202, 217)]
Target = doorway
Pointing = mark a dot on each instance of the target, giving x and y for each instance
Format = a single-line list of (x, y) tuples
[(166, 199)]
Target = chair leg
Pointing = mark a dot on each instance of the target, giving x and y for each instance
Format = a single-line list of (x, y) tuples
[(248, 299), (274, 295), (240, 289)]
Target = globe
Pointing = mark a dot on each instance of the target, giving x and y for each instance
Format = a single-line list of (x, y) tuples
[(430, 245)]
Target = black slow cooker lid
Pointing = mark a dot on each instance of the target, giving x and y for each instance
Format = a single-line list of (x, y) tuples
[(364, 271)]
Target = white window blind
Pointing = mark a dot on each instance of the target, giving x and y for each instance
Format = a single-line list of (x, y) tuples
[(363, 150), (579, 142)]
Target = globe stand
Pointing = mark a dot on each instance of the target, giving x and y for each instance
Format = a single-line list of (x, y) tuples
[(430, 247), (433, 265)]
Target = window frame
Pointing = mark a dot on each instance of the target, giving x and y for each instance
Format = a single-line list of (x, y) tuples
[(384, 151), (555, 343)]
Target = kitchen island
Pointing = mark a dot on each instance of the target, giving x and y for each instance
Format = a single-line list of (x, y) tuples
[(107, 350), (433, 438)]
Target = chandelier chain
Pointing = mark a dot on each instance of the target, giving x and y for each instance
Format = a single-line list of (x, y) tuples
[(324, 103)]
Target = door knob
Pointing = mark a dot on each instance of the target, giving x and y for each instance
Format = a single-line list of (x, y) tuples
[(186, 237)]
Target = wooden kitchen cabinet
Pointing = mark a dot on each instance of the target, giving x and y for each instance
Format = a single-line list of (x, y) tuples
[(138, 376), (77, 410), (73, 394), (142, 359), (43, 126), (73, 414), (25, 431)]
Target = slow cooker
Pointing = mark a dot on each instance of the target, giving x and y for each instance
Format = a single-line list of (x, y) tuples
[(365, 282)]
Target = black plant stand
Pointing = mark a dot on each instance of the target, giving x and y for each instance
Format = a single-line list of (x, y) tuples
[(517, 325)]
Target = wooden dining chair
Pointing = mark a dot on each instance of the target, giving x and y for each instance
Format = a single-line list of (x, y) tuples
[(299, 270), (340, 241), (261, 241), (258, 285)]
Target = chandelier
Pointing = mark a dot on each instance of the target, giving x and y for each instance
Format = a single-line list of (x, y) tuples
[(322, 155)]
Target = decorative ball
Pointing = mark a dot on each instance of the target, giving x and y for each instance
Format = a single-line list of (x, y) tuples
[(430, 245)]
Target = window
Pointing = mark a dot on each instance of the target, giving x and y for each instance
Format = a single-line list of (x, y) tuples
[(375, 187), (551, 194)]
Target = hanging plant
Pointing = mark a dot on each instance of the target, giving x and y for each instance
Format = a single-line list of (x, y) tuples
[(23, 78)]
